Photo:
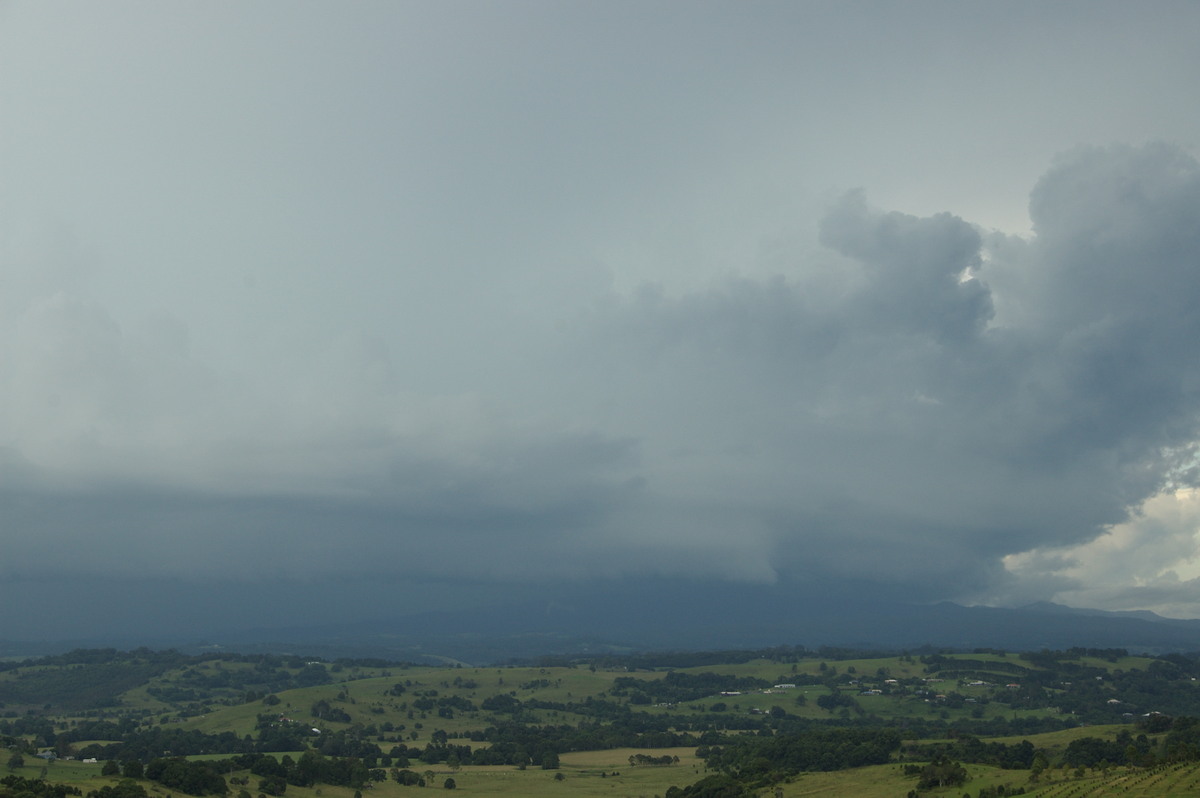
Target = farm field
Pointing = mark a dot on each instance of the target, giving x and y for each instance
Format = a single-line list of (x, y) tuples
[(778, 722)]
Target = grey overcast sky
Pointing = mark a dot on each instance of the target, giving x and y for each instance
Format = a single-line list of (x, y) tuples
[(419, 298)]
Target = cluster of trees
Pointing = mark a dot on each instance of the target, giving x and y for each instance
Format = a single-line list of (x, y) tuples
[(950, 667), (269, 675), (34, 788), (101, 730), (125, 788), (1018, 756), (87, 679), (275, 735), (407, 778), (203, 778), (446, 706), (502, 703), (941, 772), (766, 760), (1181, 743), (1047, 658), (193, 778), (717, 786), (311, 768), (350, 742), (144, 744), (836, 700), (325, 711), (646, 759), (83, 679), (35, 727), (749, 763)]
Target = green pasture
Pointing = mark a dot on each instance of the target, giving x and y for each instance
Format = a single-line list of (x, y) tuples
[(1056, 742), (64, 771), (368, 701), (364, 694)]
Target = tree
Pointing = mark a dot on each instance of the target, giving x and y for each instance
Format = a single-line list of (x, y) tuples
[(942, 772), (272, 785), (111, 768), (126, 788), (16, 761), (1038, 767), (132, 769), (268, 766), (717, 786), (449, 784), (550, 761)]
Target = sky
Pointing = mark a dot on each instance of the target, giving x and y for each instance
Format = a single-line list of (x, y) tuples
[(309, 308)]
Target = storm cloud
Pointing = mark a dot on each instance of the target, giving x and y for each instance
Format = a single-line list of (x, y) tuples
[(892, 427), (446, 317)]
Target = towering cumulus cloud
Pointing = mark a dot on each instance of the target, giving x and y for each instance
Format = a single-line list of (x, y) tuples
[(930, 403), (954, 399)]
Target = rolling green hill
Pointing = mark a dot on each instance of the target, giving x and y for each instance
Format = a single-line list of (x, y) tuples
[(807, 723)]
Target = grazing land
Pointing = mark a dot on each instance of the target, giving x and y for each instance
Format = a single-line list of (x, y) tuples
[(776, 722)]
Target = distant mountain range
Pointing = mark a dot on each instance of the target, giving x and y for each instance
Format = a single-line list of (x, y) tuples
[(644, 617)]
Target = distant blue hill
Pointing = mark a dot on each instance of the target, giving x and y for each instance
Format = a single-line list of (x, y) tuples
[(693, 617), (646, 615)]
